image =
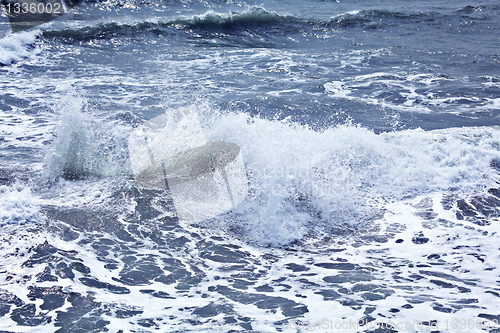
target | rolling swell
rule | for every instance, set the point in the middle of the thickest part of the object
(256, 16)
(258, 20)
(386, 18)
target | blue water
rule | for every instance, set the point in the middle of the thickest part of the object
(369, 135)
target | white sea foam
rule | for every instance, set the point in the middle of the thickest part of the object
(18, 205)
(300, 177)
(14, 47)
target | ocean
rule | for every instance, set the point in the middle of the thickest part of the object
(252, 166)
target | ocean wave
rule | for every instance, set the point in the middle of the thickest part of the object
(303, 182)
(470, 9)
(15, 47)
(255, 19)
(18, 205)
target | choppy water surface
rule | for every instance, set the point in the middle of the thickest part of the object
(370, 139)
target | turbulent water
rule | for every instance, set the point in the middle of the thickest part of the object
(369, 132)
